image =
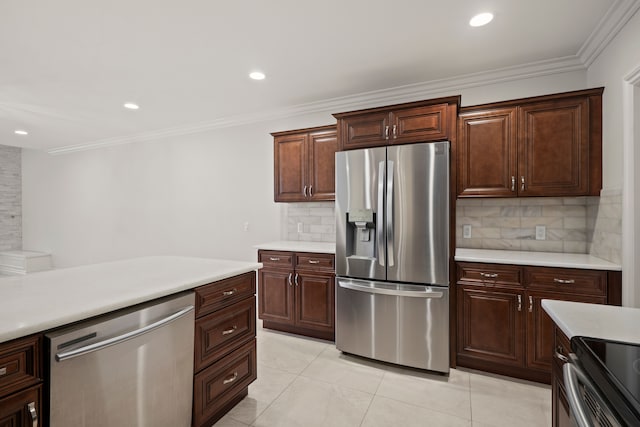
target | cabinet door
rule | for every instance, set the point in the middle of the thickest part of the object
(322, 165)
(315, 301)
(290, 168)
(365, 130)
(22, 409)
(420, 124)
(553, 158)
(490, 325)
(275, 295)
(540, 330)
(487, 156)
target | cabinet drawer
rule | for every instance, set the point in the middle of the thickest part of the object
(19, 364)
(219, 333)
(214, 296)
(490, 274)
(315, 261)
(586, 282)
(217, 385)
(276, 259)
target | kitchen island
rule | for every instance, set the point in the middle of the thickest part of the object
(33, 304)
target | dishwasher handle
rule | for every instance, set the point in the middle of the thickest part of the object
(384, 291)
(124, 337)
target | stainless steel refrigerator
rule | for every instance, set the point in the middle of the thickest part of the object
(392, 254)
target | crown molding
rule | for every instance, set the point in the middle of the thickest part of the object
(406, 93)
(609, 26)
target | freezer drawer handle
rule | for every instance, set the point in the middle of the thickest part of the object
(34, 414)
(230, 331)
(393, 292)
(3, 371)
(121, 338)
(229, 293)
(230, 379)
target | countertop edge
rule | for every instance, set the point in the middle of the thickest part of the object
(298, 246)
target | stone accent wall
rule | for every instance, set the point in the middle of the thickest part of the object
(10, 197)
(510, 223)
(604, 225)
(317, 219)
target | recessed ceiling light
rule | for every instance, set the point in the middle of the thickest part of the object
(481, 19)
(131, 106)
(20, 132)
(257, 75)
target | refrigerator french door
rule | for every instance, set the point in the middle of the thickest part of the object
(392, 254)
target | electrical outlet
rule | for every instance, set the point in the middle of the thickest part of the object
(300, 229)
(246, 226)
(466, 231)
(541, 232)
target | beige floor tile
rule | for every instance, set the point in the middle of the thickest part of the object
(337, 368)
(385, 412)
(439, 393)
(497, 401)
(269, 385)
(311, 403)
(227, 421)
(288, 353)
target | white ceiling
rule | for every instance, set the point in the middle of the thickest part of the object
(67, 66)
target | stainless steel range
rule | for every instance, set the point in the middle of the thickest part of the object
(392, 254)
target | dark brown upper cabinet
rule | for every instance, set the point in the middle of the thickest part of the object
(304, 164)
(422, 121)
(543, 146)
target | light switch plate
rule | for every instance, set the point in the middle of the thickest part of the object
(541, 232)
(466, 231)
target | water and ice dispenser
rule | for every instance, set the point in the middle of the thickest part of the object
(361, 244)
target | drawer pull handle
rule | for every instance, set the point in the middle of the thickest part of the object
(489, 275)
(296, 280)
(3, 371)
(231, 379)
(530, 304)
(274, 258)
(34, 414)
(558, 354)
(519, 302)
(513, 183)
(230, 331)
(229, 293)
(289, 279)
(564, 281)
(313, 261)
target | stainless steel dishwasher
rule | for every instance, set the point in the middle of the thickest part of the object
(132, 368)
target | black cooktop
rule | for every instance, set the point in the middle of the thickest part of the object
(614, 367)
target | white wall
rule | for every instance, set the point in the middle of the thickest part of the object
(183, 195)
(619, 59)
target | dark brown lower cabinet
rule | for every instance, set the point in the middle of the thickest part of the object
(502, 327)
(296, 293)
(22, 409)
(225, 346)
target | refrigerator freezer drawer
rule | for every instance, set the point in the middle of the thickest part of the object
(392, 322)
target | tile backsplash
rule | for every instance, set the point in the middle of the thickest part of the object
(10, 198)
(604, 225)
(317, 220)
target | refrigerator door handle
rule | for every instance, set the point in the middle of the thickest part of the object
(427, 293)
(390, 237)
(380, 217)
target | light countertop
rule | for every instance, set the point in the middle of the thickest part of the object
(544, 259)
(40, 301)
(298, 246)
(595, 320)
